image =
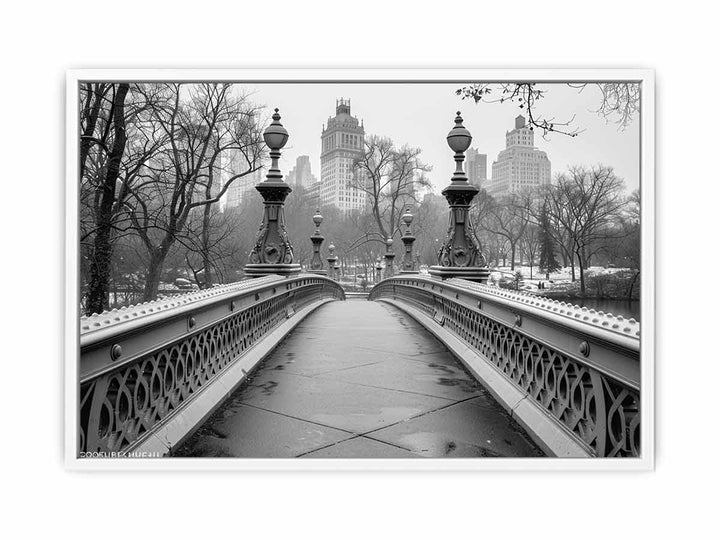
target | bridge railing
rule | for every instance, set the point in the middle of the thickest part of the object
(139, 366)
(578, 366)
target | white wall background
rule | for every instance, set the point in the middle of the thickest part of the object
(40, 40)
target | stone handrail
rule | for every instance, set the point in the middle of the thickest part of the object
(578, 366)
(139, 366)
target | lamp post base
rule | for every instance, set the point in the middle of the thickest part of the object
(479, 274)
(258, 270)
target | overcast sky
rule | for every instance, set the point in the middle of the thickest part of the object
(421, 114)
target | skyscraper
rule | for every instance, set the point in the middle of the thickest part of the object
(342, 143)
(241, 186)
(313, 192)
(301, 174)
(476, 167)
(520, 165)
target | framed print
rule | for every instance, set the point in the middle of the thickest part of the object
(360, 269)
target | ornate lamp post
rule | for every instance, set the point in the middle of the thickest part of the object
(408, 265)
(273, 253)
(316, 263)
(332, 260)
(389, 257)
(460, 254)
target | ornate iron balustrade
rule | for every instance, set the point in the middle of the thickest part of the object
(141, 365)
(579, 366)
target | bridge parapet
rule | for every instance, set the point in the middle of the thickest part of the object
(578, 367)
(141, 366)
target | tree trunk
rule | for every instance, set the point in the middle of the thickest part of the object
(632, 285)
(98, 289)
(207, 272)
(95, 96)
(582, 273)
(512, 256)
(152, 280)
(568, 255)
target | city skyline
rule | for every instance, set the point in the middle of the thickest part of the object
(394, 110)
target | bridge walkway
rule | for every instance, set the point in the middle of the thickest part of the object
(359, 379)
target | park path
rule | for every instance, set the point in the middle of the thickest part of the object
(359, 379)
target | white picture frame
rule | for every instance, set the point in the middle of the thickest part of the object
(647, 186)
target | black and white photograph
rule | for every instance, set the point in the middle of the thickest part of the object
(362, 270)
(331, 267)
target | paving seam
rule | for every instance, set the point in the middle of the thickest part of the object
(364, 433)
(417, 416)
(391, 444)
(328, 446)
(298, 418)
(320, 378)
(359, 437)
(288, 372)
(345, 369)
(388, 389)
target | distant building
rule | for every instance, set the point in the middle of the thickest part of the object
(301, 174)
(434, 198)
(290, 177)
(305, 176)
(520, 165)
(419, 192)
(476, 167)
(342, 143)
(240, 187)
(313, 192)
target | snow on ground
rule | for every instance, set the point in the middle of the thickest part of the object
(558, 280)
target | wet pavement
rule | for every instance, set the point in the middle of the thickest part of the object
(359, 379)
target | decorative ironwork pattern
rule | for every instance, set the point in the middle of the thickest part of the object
(600, 411)
(121, 406)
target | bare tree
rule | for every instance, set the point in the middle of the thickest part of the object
(111, 145)
(547, 243)
(430, 228)
(623, 246)
(203, 124)
(115, 144)
(619, 101)
(391, 179)
(530, 245)
(508, 218)
(209, 244)
(587, 202)
(299, 210)
(480, 210)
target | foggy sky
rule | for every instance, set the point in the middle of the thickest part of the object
(421, 114)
